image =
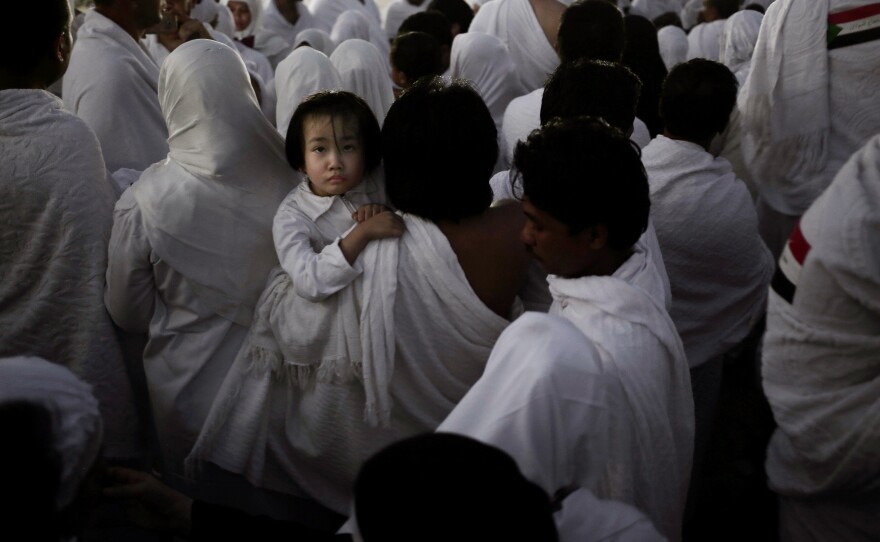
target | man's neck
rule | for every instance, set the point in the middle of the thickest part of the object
(703, 143)
(123, 18)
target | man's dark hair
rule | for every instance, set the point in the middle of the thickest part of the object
(725, 8)
(39, 23)
(416, 55)
(591, 29)
(755, 7)
(457, 11)
(592, 88)
(697, 99)
(336, 104)
(667, 19)
(439, 146)
(583, 173)
(430, 22)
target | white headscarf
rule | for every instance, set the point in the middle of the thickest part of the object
(76, 421)
(673, 45)
(738, 39)
(362, 71)
(351, 25)
(256, 8)
(316, 39)
(690, 14)
(208, 208)
(274, 21)
(304, 72)
(485, 61)
(651, 9)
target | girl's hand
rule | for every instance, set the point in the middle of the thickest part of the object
(368, 210)
(383, 225)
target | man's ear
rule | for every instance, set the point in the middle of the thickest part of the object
(598, 236)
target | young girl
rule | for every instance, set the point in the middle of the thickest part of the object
(322, 226)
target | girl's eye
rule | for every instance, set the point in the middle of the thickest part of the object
(318, 149)
(349, 147)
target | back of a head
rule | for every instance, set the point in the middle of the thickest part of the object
(724, 8)
(430, 22)
(443, 487)
(416, 55)
(40, 24)
(583, 172)
(697, 99)
(642, 47)
(591, 29)
(457, 11)
(439, 147)
(592, 88)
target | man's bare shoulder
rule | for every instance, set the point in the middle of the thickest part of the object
(549, 14)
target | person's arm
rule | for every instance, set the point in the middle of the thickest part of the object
(374, 222)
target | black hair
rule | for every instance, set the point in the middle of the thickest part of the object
(430, 22)
(592, 88)
(591, 29)
(40, 23)
(583, 172)
(334, 103)
(725, 8)
(642, 56)
(442, 487)
(755, 7)
(457, 11)
(697, 99)
(439, 145)
(416, 55)
(667, 19)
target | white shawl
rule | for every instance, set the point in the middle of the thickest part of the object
(355, 24)
(316, 39)
(313, 441)
(704, 40)
(584, 518)
(304, 72)
(651, 9)
(267, 42)
(396, 12)
(274, 21)
(514, 22)
(653, 421)
(738, 38)
(485, 61)
(821, 358)
(110, 73)
(361, 69)
(700, 208)
(214, 198)
(327, 11)
(673, 45)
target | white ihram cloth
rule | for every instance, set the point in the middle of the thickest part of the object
(304, 72)
(316, 439)
(112, 84)
(327, 11)
(651, 9)
(76, 422)
(794, 155)
(552, 418)
(738, 38)
(514, 22)
(652, 428)
(704, 40)
(57, 208)
(396, 12)
(266, 42)
(355, 24)
(362, 71)
(821, 362)
(690, 14)
(673, 45)
(485, 61)
(316, 39)
(274, 21)
(192, 243)
(701, 209)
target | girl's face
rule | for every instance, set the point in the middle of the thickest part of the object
(333, 154)
(241, 14)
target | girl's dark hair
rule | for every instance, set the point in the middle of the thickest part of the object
(334, 103)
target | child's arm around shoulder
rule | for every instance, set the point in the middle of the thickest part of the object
(374, 222)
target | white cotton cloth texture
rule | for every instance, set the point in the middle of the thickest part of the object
(304, 72)
(585, 518)
(396, 12)
(313, 441)
(701, 209)
(267, 42)
(821, 361)
(274, 21)
(738, 38)
(673, 45)
(485, 61)
(327, 11)
(355, 24)
(652, 421)
(514, 22)
(362, 71)
(651, 9)
(794, 155)
(192, 244)
(76, 421)
(704, 40)
(316, 39)
(690, 14)
(57, 208)
(110, 73)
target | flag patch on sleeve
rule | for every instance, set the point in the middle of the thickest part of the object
(788, 272)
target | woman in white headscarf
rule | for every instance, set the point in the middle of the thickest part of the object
(316, 39)
(362, 71)
(485, 61)
(355, 24)
(287, 18)
(673, 45)
(192, 239)
(248, 15)
(738, 39)
(304, 72)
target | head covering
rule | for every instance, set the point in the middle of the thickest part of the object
(208, 209)
(304, 72)
(485, 61)
(362, 71)
(76, 421)
(256, 8)
(690, 14)
(738, 39)
(274, 21)
(651, 9)
(673, 45)
(316, 39)
(351, 24)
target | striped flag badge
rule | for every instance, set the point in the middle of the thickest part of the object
(853, 26)
(788, 272)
